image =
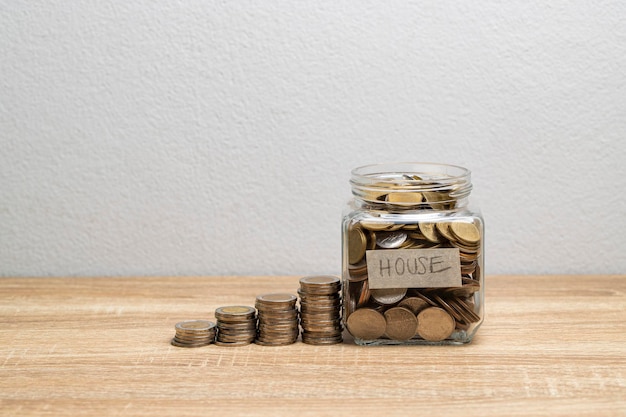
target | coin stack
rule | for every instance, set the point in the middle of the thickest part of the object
(320, 310)
(194, 333)
(236, 325)
(278, 319)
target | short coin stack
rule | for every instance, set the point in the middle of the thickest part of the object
(194, 333)
(320, 310)
(236, 325)
(278, 319)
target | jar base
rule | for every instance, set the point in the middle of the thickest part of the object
(456, 339)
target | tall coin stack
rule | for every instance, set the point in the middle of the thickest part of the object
(320, 310)
(278, 319)
(236, 325)
(194, 333)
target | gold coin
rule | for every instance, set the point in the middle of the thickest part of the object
(235, 312)
(444, 230)
(467, 233)
(366, 324)
(434, 324)
(376, 226)
(320, 280)
(401, 323)
(415, 304)
(429, 232)
(436, 200)
(357, 244)
(405, 197)
(195, 326)
(276, 300)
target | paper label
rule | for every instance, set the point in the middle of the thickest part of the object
(414, 268)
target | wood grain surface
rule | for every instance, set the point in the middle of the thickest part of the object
(550, 345)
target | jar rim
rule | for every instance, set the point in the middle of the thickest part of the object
(437, 171)
(435, 182)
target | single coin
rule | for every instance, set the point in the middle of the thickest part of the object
(276, 300)
(366, 324)
(429, 232)
(244, 312)
(371, 240)
(388, 296)
(364, 294)
(357, 244)
(415, 304)
(376, 226)
(391, 240)
(466, 232)
(436, 200)
(434, 324)
(195, 325)
(444, 230)
(405, 197)
(401, 323)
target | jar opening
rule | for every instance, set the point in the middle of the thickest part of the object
(412, 185)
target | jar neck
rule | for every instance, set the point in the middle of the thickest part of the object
(411, 186)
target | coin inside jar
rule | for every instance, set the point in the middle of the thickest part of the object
(366, 324)
(391, 240)
(429, 232)
(466, 232)
(405, 197)
(387, 295)
(401, 323)
(357, 244)
(434, 324)
(415, 304)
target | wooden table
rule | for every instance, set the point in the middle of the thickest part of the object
(550, 345)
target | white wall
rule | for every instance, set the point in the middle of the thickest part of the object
(209, 137)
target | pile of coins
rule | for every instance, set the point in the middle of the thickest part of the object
(236, 325)
(278, 319)
(320, 310)
(194, 333)
(439, 312)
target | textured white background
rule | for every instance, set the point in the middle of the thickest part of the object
(212, 137)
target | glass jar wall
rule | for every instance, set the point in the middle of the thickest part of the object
(412, 256)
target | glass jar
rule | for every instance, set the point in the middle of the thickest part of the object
(412, 256)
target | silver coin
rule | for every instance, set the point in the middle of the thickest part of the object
(388, 296)
(391, 240)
